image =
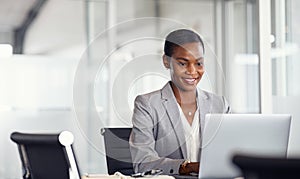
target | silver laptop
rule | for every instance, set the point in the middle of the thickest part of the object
(252, 134)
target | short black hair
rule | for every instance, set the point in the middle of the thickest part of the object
(179, 37)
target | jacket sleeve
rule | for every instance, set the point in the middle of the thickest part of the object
(142, 141)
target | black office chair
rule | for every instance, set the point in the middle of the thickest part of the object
(118, 154)
(46, 156)
(268, 168)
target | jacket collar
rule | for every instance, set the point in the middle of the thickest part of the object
(170, 104)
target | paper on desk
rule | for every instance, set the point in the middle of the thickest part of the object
(100, 176)
(119, 175)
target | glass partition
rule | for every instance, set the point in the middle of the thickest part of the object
(285, 65)
(229, 29)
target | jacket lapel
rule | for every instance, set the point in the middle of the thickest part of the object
(204, 105)
(171, 107)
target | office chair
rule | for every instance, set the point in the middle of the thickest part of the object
(118, 154)
(46, 156)
(267, 168)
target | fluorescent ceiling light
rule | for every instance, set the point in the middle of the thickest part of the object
(6, 51)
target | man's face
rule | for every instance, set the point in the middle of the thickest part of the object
(186, 66)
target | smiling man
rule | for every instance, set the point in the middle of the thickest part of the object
(167, 123)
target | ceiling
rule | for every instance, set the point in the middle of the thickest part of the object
(13, 13)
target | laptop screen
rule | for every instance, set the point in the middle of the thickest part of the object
(252, 134)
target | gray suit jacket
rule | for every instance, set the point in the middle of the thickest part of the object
(157, 139)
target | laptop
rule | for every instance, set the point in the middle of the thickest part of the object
(251, 134)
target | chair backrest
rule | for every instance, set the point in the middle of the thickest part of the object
(118, 154)
(46, 156)
(267, 168)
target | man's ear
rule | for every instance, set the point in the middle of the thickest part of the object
(166, 61)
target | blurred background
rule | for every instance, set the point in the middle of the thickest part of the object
(77, 65)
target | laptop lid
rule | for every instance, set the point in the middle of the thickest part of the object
(252, 134)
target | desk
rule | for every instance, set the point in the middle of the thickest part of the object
(121, 176)
(196, 177)
(105, 176)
